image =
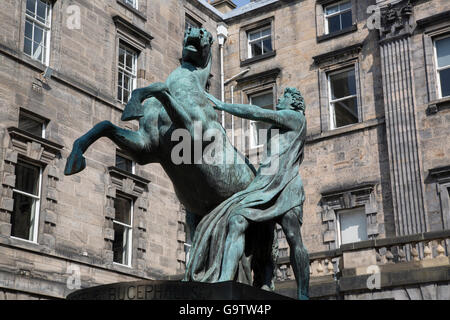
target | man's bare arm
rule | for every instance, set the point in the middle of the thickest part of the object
(286, 118)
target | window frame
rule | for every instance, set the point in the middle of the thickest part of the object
(37, 119)
(190, 22)
(253, 122)
(326, 17)
(129, 250)
(128, 48)
(331, 102)
(262, 38)
(339, 214)
(37, 209)
(133, 163)
(443, 188)
(46, 31)
(437, 68)
(134, 4)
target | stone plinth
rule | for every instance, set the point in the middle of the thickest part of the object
(174, 290)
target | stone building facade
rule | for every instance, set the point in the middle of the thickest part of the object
(376, 170)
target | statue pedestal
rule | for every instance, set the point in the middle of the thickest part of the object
(174, 290)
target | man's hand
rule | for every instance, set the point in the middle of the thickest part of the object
(217, 103)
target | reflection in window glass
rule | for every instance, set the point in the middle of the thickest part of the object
(343, 99)
(26, 195)
(260, 42)
(37, 30)
(353, 225)
(257, 128)
(31, 125)
(338, 17)
(127, 73)
(443, 66)
(122, 225)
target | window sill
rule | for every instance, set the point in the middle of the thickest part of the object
(438, 105)
(336, 34)
(258, 58)
(132, 9)
(345, 130)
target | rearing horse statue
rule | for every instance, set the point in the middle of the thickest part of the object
(200, 187)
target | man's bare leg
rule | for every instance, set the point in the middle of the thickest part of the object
(234, 247)
(299, 256)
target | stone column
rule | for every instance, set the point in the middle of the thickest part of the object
(397, 25)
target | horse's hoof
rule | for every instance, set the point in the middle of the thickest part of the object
(133, 110)
(75, 163)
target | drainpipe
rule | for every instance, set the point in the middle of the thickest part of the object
(222, 34)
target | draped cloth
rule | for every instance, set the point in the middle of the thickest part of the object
(268, 197)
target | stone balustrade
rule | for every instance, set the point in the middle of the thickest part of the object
(419, 248)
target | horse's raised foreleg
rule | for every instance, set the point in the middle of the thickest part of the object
(134, 142)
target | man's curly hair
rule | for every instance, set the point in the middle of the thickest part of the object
(299, 101)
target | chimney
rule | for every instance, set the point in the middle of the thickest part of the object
(223, 6)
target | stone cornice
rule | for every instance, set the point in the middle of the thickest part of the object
(127, 182)
(272, 73)
(434, 19)
(132, 9)
(33, 147)
(440, 173)
(127, 26)
(346, 51)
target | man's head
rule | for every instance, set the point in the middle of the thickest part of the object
(197, 46)
(292, 99)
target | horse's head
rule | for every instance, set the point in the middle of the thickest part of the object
(197, 46)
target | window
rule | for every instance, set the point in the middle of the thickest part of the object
(133, 3)
(32, 125)
(442, 48)
(27, 194)
(338, 17)
(352, 226)
(37, 30)
(190, 23)
(343, 99)
(123, 230)
(126, 164)
(260, 42)
(127, 73)
(258, 137)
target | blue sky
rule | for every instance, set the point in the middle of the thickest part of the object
(240, 3)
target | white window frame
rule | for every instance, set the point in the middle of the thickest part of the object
(253, 122)
(129, 248)
(131, 74)
(261, 39)
(47, 31)
(338, 224)
(326, 17)
(132, 3)
(332, 102)
(439, 69)
(34, 225)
